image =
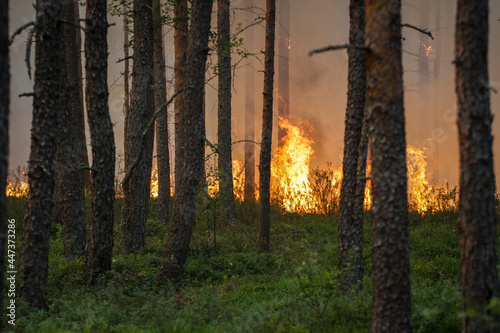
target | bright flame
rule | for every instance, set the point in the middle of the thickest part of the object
(19, 189)
(153, 193)
(418, 186)
(428, 49)
(290, 170)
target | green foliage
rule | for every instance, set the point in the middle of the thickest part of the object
(232, 288)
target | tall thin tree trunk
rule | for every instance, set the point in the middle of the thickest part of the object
(34, 257)
(160, 96)
(249, 113)
(423, 72)
(69, 177)
(228, 209)
(436, 90)
(267, 131)
(390, 248)
(126, 73)
(477, 221)
(350, 236)
(190, 130)
(4, 131)
(283, 65)
(100, 244)
(181, 30)
(137, 187)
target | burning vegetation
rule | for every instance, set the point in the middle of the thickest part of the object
(298, 188)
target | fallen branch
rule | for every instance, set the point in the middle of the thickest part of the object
(424, 31)
(338, 47)
(148, 128)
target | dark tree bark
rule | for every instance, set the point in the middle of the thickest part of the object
(100, 243)
(34, 257)
(126, 73)
(228, 209)
(477, 221)
(267, 131)
(190, 129)
(136, 189)
(4, 132)
(390, 249)
(249, 113)
(350, 235)
(283, 65)
(69, 177)
(436, 110)
(160, 97)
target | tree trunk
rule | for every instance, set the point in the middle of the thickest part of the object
(477, 221)
(160, 97)
(423, 72)
(190, 129)
(69, 177)
(390, 249)
(100, 243)
(181, 30)
(34, 257)
(249, 113)
(350, 236)
(228, 209)
(4, 134)
(283, 65)
(436, 91)
(267, 131)
(136, 189)
(126, 73)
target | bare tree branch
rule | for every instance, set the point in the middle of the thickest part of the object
(338, 47)
(424, 31)
(19, 30)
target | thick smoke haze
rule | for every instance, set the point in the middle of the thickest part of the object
(318, 84)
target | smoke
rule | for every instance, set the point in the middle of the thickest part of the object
(317, 84)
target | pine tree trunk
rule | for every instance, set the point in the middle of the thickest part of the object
(249, 113)
(228, 209)
(436, 109)
(390, 249)
(34, 257)
(4, 132)
(267, 131)
(423, 72)
(350, 236)
(126, 72)
(69, 179)
(100, 244)
(190, 129)
(160, 97)
(136, 189)
(283, 65)
(477, 221)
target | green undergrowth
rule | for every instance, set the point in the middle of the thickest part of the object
(229, 287)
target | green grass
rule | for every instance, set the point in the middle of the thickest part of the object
(232, 288)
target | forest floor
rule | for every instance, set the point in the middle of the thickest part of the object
(231, 288)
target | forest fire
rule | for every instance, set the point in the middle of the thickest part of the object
(18, 189)
(427, 49)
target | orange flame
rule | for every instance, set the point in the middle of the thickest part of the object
(427, 49)
(18, 189)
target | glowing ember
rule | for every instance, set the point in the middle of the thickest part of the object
(428, 49)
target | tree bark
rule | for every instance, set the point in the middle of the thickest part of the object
(136, 189)
(228, 210)
(267, 131)
(436, 110)
(390, 249)
(4, 132)
(100, 243)
(249, 113)
(283, 65)
(190, 129)
(477, 220)
(34, 257)
(350, 235)
(160, 97)
(423, 73)
(126, 73)
(69, 177)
